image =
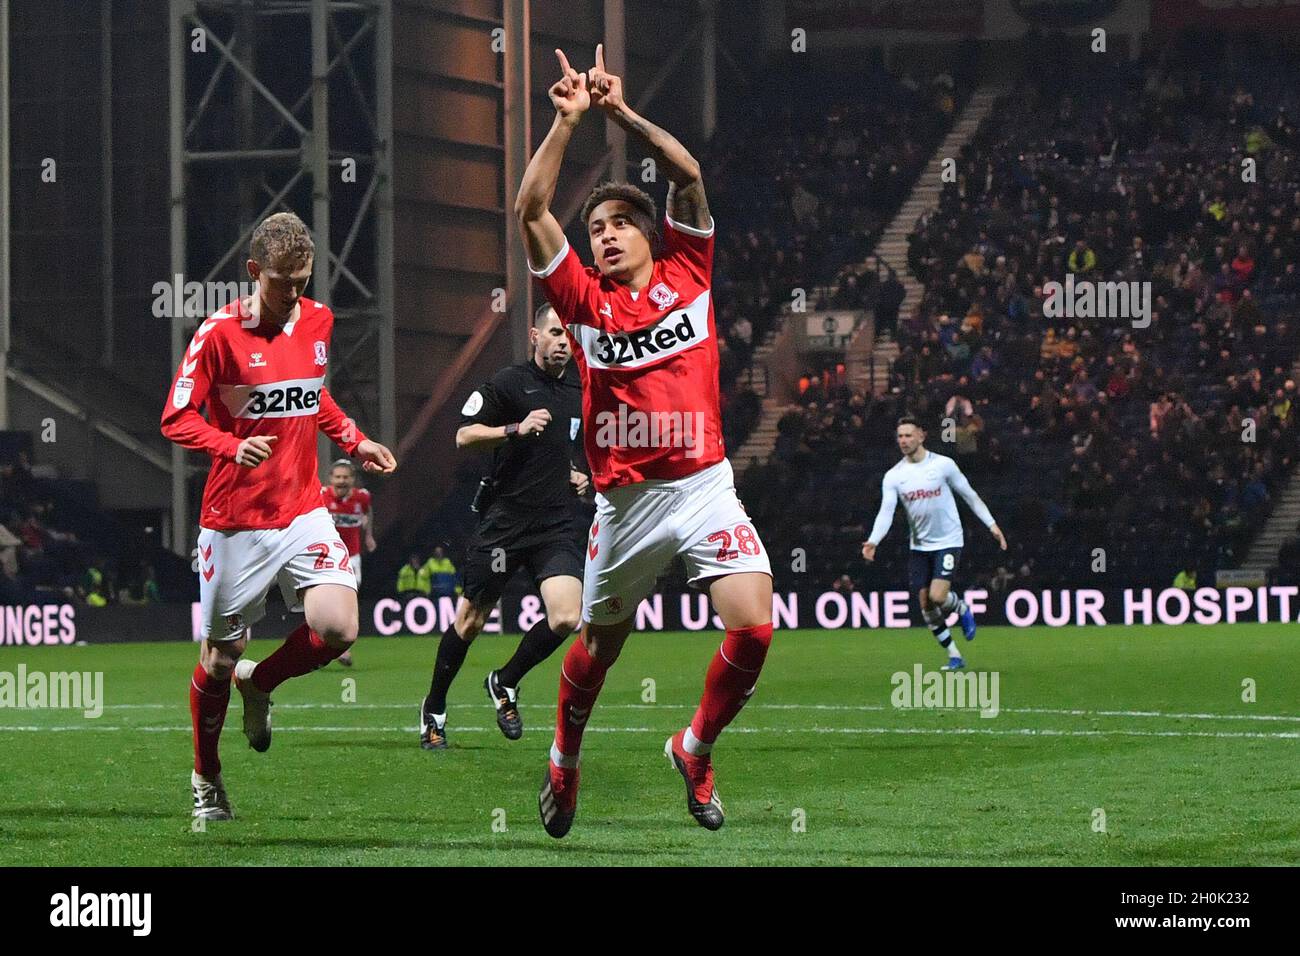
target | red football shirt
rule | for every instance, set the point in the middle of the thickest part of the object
(258, 380)
(349, 514)
(649, 362)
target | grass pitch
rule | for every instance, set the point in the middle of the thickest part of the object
(1144, 725)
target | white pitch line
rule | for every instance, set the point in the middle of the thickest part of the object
(939, 731)
(852, 708)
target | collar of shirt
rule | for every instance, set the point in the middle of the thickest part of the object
(254, 309)
(541, 375)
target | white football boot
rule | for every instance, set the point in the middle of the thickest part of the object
(210, 800)
(257, 707)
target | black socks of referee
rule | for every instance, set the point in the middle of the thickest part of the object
(451, 654)
(538, 644)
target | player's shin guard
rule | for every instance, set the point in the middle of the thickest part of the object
(730, 682)
(209, 698)
(302, 652)
(952, 604)
(936, 620)
(581, 677)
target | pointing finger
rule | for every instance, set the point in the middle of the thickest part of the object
(564, 62)
(600, 57)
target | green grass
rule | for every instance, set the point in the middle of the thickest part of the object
(1198, 777)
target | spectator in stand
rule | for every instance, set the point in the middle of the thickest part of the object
(442, 574)
(1243, 266)
(888, 302)
(1082, 260)
(413, 580)
(1002, 580)
(9, 545)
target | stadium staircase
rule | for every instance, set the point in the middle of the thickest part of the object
(868, 359)
(762, 438)
(870, 355)
(1282, 523)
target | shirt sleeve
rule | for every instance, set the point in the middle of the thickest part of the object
(569, 288)
(336, 426)
(182, 421)
(958, 483)
(485, 406)
(885, 516)
(690, 248)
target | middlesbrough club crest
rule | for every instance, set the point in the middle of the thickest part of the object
(322, 355)
(662, 296)
(614, 605)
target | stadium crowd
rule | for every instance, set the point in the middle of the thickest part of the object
(801, 192)
(1160, 445)
(45, 558)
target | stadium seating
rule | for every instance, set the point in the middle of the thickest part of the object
(1084, 433)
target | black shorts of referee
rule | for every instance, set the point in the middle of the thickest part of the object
(544, 541)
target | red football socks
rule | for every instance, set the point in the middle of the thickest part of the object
(302, 652)
(581, 678)
(209, 699)
(730, 680)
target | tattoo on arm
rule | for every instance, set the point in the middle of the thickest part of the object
(686, 201)
(688, 205)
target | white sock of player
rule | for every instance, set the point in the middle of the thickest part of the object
(694, 745)
(935, 619)
(562, 759)
(952, 604)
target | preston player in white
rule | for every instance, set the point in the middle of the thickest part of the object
(925, 483)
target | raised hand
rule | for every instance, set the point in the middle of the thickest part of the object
(606, 89)
(569, 95)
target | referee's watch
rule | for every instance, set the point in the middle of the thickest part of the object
(512, 430)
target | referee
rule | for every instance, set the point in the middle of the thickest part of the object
(529, 516)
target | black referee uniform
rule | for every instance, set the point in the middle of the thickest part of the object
(530, 516)
(534, 515)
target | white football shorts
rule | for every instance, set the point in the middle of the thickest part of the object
(638, 530)
(237, 569)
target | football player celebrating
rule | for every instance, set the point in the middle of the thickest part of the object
(350, 508)
(646, 347)
(925, 483)
(259, 366)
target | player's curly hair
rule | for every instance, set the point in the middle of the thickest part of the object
(280, 237)
(644, 214)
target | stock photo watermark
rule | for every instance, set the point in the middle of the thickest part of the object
(920, 689)
(53, 690)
